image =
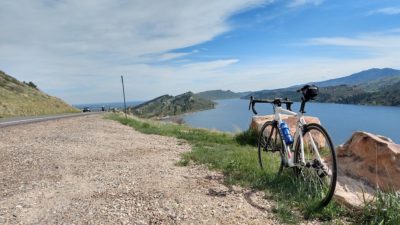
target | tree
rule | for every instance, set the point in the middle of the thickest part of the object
(31, 84)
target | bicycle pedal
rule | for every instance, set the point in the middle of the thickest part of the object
(322, 173)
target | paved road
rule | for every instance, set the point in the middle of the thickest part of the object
(34, 119)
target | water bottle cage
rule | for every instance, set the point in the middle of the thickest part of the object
(285, 132)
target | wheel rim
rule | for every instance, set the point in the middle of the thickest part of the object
(269, 149)
(318, 176)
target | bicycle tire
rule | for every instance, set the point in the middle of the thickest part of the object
(273, 161)
(319, 177)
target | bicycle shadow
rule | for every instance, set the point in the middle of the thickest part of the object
(248, 195)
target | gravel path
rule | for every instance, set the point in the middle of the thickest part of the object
(88, 170)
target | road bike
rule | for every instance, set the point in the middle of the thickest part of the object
(309, 152)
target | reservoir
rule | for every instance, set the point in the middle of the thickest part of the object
(340, 120)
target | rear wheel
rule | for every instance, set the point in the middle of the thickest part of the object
(318, 173)
(270, 148)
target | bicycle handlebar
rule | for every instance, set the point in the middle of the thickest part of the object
(276, 101)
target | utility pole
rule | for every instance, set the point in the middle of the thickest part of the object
(123, 91)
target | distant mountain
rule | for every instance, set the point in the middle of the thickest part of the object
(167, 105)
(370, 87)
(388, 94)
(372, 76)
(25, 99)
(218, 94)
(361, 77)
(375, 85)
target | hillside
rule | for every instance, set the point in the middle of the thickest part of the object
(370, 87)
(218, 94)
(374, 77)
(167, 105)
(361, 77)
(20, 99)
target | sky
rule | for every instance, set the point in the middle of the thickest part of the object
(77, 50)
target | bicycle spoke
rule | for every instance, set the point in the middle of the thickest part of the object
(269, 149)
(319, 171)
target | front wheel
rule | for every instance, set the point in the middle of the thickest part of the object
(318, 170)
(270, 148)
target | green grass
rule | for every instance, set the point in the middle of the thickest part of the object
(232, 155)
(385, 209)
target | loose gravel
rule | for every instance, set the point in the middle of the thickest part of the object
(89, 170)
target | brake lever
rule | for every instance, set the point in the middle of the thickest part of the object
(251, 101)
(252, 108)
(251, 105)
(289, 106)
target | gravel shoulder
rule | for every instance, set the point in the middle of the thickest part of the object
(91, 170)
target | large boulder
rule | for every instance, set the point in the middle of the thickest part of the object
(367, 162)
(258, 121)
(373, 158)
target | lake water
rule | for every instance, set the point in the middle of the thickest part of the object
(340, 120)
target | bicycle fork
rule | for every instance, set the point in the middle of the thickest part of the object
(288, 156)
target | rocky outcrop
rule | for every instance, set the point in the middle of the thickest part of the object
(373, 158)
(168, 105)
(366, 162)
(258, 121)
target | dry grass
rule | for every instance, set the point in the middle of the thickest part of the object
(19, 99)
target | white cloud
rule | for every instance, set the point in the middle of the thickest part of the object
(339, 41)
(297, 3)
(211, 65)
(386, 11)
(173, 55)
(59, 44)
(383, 43)
(379, 50)
(78, 50)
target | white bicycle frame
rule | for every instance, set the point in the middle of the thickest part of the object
(300, 122)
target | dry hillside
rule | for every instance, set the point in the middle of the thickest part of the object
(20, 99)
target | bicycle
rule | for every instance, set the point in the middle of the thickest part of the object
(310, 153)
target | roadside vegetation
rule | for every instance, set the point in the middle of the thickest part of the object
(236, 157)
(25, 99)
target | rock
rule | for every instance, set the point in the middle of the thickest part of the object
(258, 121)
(366, 162)
(373, 158)
(352, 192)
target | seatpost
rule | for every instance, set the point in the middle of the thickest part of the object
(303, 105)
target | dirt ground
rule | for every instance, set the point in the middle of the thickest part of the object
(89, 170)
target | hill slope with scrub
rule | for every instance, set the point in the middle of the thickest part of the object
(168, 105)
(25, 99)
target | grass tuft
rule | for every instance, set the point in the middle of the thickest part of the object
(384, 210)
(248, 137)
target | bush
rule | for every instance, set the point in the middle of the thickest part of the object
(248, 137)
(32, 85)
